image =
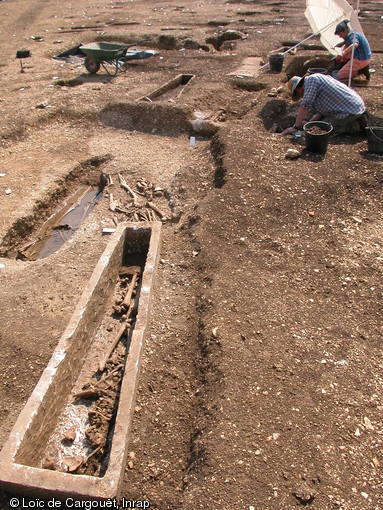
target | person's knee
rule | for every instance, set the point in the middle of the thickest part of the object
(343, 73)
(340, 129)
(335, 74)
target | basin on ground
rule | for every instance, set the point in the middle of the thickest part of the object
(22, 457)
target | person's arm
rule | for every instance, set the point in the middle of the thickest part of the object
(302, 114)
(351, 41)
(299, 121)
(347, 51)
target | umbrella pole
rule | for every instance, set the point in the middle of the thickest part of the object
(353, 48)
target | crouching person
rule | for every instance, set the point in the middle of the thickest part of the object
(327, 99)
(352, 40)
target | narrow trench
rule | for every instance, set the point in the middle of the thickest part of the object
(208, 375)
(218, 151)
(62, 212)
(208, 347)
(171, 90)
(62, 225)
(211, 383)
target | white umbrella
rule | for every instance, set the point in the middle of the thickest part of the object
(324, 15)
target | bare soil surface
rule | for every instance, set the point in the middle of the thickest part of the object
(261, 384)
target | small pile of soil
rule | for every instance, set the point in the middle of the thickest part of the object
(316, 130)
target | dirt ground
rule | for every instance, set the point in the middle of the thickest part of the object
(261, 384)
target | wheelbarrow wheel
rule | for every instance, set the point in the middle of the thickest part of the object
(91, 65)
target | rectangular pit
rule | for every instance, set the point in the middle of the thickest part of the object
(22, 457)
(171, 90)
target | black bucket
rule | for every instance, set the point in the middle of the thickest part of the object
(317, 142)
(316, 70)
(375, 139)
(23, 53)
(276, 62)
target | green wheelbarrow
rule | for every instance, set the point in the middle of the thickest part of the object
(100, 53)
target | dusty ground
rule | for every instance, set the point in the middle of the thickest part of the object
(261, 383)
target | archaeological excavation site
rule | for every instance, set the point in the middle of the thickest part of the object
(190, 299)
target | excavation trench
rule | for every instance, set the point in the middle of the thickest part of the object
(78, 418)
(154, 118)
(57, 216)
(277, 115)
(171, 91)
(62, 225)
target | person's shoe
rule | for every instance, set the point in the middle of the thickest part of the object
(363, 122)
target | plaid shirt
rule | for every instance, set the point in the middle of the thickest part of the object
(363, 51)
(323, 94)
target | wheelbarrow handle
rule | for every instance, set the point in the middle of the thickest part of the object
(138, 42)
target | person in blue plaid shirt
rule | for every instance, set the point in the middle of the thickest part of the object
(362, 52)
(327, 99)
